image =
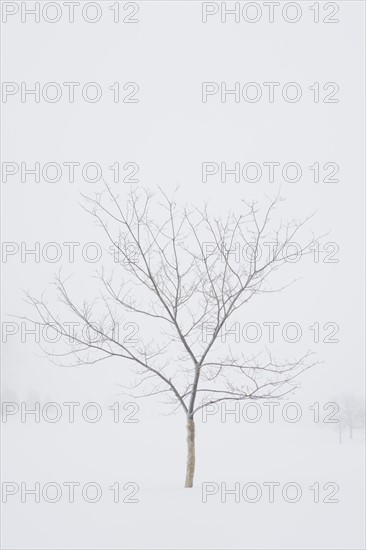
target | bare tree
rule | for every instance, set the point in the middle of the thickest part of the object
(351, 413)
(180, 269)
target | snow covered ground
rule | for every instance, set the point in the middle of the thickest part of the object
(151, 454)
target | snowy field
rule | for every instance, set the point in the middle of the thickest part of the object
(151, 454)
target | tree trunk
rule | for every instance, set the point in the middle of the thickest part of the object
(191, 453)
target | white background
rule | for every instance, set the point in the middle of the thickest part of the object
(169, 134)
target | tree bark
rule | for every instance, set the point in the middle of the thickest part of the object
(191, 453)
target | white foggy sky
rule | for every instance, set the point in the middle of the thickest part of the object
(171, 132)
